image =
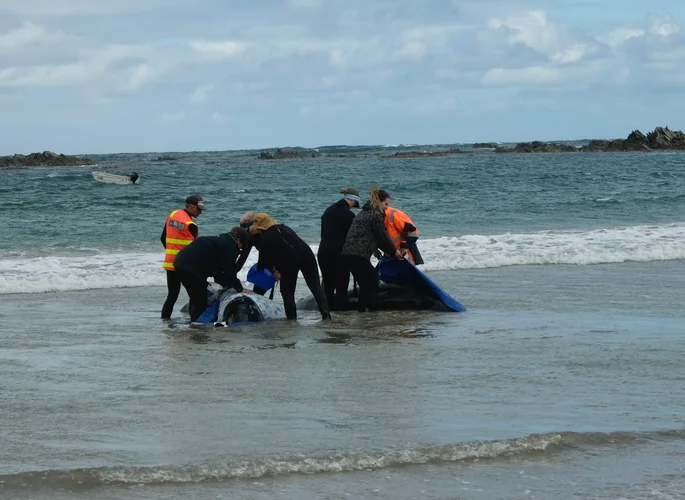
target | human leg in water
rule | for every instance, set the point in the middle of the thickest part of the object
(342, 283)
(288, 283)
(327, 266)
(365, 275)
(196, 286)
(336, 280)
(311, 277)
(173, 284)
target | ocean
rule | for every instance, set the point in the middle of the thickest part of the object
(563, 379)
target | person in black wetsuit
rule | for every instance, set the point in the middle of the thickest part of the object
(335, 223)
(210, 256)
(285, 254)
(245, 222)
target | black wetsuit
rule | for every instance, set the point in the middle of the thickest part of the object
(173, 282)
(253, 243)
(282, 249)
(207, 256)
(335, 223)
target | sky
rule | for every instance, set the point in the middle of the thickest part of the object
(110, 76)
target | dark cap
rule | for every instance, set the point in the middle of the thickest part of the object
(196, 199)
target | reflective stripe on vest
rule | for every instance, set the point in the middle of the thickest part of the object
(178, 236)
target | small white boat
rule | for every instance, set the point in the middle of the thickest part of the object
(108, 178)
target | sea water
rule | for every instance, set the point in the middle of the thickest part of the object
(563, 380)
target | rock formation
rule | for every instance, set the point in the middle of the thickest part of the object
(287, 154)
(660, 139)
(417, 154)
(44, 159)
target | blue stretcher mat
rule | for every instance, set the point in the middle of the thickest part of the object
(404, 273)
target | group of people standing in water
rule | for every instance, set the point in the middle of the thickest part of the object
(347, 244)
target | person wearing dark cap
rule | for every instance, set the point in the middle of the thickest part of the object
(335, 223)
(285, 254)
(179, 231)
(210, 256)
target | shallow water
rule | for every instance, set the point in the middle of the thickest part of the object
(559, 382)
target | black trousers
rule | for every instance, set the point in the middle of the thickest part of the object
(310, 272)
(336, 279)
(367, 278)
(173, 284)
(196, 286)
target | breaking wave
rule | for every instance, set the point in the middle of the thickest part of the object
(91, 268)
(223, 470)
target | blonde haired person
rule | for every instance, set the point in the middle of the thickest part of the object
(285, 254)
(366, 236)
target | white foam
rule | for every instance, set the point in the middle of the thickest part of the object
(98, 269)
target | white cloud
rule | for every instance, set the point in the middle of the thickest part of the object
(218, 117)
(536, 31)
(81, 7)
(90, 66)
(219, 49)
(572, 54)
(173, 116)
(309, 5)
(327, 58)
(532, 75)
(202, 93)
(140, 75)
(30, 35)
(619, 36)
(47, 75)
(663, 26)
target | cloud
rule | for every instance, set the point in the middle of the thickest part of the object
(354, 67)
(221, 49)
(307, 5)
(218, 117)
(619, 36)
(80, 7)
(202, 93)
(534, 30)
(90, 65)
(139, 75)
(30, 35)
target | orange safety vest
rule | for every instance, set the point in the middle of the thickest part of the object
(394, 223)
(178, 236)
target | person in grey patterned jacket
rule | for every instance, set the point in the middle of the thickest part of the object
(366, 236)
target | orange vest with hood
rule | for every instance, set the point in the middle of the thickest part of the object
(178, 236)
(394, 223)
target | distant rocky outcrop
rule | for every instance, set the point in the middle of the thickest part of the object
(287, 154)
(44, 159)
(660, 139)
(538, 147)
(419, 154)
(166, 158)
(484, 145)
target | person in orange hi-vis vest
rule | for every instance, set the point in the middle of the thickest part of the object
(402, 231)
(179, 230)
